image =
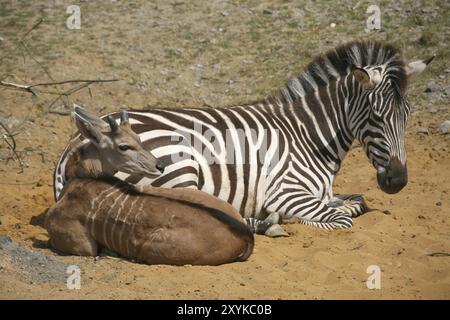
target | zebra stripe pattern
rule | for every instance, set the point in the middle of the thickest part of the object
(355, 91)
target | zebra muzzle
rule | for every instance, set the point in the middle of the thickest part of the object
(393, 177)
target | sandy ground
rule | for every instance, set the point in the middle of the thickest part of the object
(183, 54)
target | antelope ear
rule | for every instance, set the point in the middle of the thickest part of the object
(367, 78)
(89, 117)
(417, 67)
(91, 132)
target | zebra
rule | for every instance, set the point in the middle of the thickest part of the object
(356, 91)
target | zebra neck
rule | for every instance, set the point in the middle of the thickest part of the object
(322, 120)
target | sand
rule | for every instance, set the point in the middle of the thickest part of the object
(177, 55)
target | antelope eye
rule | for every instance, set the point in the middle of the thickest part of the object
(124, 147)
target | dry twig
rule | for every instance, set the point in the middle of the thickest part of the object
(11, 144)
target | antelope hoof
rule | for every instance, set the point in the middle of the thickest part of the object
(276, 231)
(105, 252)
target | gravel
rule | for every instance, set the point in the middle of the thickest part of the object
(40, 268)
(444, 127)
(432, 86)
(422, 130)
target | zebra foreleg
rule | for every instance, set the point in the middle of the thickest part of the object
(351, 205)
(302, 207)
(268, 227)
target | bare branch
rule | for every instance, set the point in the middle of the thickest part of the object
(28, 50)
(17, 86)
(73, 81)
(22, 38)
(33, 27)
(11, 144)
(28, 88)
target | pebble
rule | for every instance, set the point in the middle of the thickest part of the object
(444, 127)
(433, 109)
(422, 130)
(432, 86)
(447, 91)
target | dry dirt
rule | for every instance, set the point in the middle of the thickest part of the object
(191, 54)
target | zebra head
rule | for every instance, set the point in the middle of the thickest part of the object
(118, 149)
(381, 121)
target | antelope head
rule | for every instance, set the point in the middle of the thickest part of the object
(115, 146)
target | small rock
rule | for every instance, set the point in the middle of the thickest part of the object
(224, 13)
(422, 130)
(439, 203)
(447, 91)
(387, 212)
(267, 11)
(17, 226)
(421, 217)
(432, 86)
(444, 127)
(333, 25)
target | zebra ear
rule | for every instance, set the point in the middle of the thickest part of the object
(367, 78)
(416, 67)
(91, 132)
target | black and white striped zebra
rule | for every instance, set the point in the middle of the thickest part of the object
(355, 91)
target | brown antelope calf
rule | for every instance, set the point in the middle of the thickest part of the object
(145, 224)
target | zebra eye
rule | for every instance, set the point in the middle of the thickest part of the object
(124, 147)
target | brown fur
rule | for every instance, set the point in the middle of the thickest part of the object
(174, 226)
(145, 224)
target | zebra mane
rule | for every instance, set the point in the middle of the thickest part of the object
(339, 61)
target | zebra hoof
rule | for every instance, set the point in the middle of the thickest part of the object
(276, 231)
(273, 218)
